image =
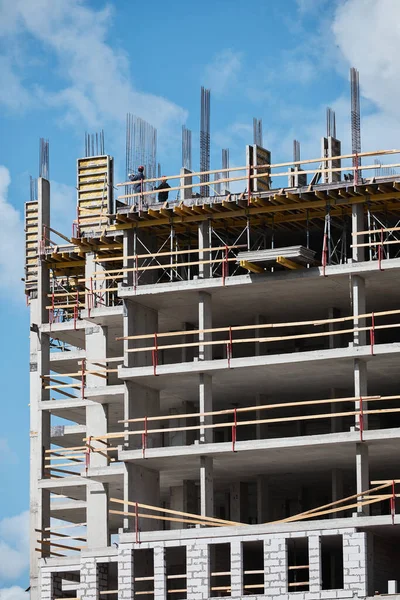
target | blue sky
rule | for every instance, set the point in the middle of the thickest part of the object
(70, 66)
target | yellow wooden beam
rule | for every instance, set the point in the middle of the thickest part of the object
(289, 264)
(251, 266)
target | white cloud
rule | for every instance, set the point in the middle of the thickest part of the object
(377, 63)
(221, 75)
(97, 88)
(11, 239)
(14, 547)
(13, 593)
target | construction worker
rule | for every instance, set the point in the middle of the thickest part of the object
(163, 195)
(139, 177)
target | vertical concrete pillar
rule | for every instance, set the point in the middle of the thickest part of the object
(334, 340)
(138, 320)
(314, 552)
(39, 363)
(337, 407)
(186, 194)
(125, 574)
(263, 499)
(140, 402)
(205, 322)
(140, 485)
(261, 428)
(337, 487)
(362, 474)
(203, 239)
(259, 347)
(205, 406)
(235, 501)
(359, 308)
(358, 224)
(183, 498)
(205, 353)
(96, 424)
(236, 569)
(160, 579)
(128, 263)
(206, 486)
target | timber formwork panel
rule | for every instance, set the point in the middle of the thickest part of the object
(31, 245)
(95, 193)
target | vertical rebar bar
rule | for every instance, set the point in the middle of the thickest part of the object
(355, 115)
(205, 140)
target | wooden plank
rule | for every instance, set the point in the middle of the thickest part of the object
(260, 326)
(174, 512)
(161, 518)
(284, 164)
(230, 411)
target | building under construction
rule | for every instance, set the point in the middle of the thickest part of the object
(215, 394)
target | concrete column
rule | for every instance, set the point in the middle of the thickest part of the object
(275, 567)
(362, 474)
(359, 308)
(337, 407)
(314, 553)
(205, 406)
(259, 347)
(261, 428)
(203, 239)
(39, 363)
(183, 498)
(334, 340)
(140, 485)
(358, 224)
(205, 322)
(197, 570)
(125, 574)
(186, 194)
(337, 487)
(160, 579)
(235, 501)
(263, 499)
(96, 425)
(138, 320)
(181, 438)
(362, 455)
(128, 263)
(206, 487)
(236, 569)
(140, 402)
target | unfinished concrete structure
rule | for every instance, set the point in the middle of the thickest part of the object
(191, 409)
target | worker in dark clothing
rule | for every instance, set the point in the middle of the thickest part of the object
(139, 177)
(162, 190)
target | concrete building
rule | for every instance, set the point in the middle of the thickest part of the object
(198, 414)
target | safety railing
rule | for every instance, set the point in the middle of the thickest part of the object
(358, 411)
(254, 172)
(379, 242)
(229, 341)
